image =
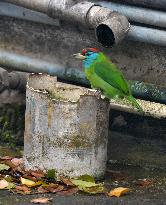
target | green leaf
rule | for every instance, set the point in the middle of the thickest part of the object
(10, 186)
(51, 174)
(81, 183)
(87, 178)
(87, 184)
(94, 190)
(4, 167)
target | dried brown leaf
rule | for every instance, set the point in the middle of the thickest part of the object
(38, 174)
(23, 188)
(53, 188)
(117, 176)
(66, 181)
(118, 191)
(5, 158)
(144, 182)
(42, 190)
(69, 192)
(17, 161)
(41, 200)
(3, 184)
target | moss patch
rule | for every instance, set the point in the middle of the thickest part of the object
(12, 124)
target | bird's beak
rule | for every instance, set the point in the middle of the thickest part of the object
(79, 56)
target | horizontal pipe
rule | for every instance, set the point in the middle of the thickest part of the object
(110, 27)
(11, 10)
(147, 35)
(136, 33)
(138, 14)
(17, 62)
(156, 4)
(39, 5)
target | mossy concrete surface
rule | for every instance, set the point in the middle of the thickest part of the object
(66, 130)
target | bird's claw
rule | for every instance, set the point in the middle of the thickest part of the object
(98, 92)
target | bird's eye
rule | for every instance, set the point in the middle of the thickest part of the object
(87, 54)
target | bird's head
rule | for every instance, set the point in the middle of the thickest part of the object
(87, 53)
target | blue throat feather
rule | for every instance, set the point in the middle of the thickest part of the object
(90, 58)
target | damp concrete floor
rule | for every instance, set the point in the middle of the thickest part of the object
(116, 176)
(148, 187)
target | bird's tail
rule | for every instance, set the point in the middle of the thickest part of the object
(134, 102)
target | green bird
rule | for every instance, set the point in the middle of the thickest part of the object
(105, 75)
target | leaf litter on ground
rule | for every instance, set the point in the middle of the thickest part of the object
(14, 177)
(41, 200)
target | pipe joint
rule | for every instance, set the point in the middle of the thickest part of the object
(70, 11)
(110, 27)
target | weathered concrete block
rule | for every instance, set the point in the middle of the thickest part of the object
(66, 128)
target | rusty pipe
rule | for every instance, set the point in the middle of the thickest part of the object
(110, 26)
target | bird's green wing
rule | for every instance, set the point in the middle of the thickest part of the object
(110, 74)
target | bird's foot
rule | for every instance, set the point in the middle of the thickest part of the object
(98, 92)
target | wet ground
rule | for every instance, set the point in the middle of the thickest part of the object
(148, 186)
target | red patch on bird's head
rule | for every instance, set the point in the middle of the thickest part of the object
(85, 50)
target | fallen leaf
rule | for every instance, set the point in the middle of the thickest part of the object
(4, 167)
(27, 182)
(117, 176)
(144, 182)
(69, 192)
(41, 200)
(38, 183)
(87, 178)
(89, 187)
(53, 188)
(17, 161)
(5, 158)
(66, 181)
(94, 189)
(32, 178)
(81, 183)
(9, 163)
(118, 191)
(38, 174)
(3, 184)
(23, 188)
(42, 190)
(10, 186)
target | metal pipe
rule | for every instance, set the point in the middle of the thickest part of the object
(109, 26)
(137, 14)
(37, 5)
(156, 4)
(136, 33)
(148, 91)
(147, 35)
(11, 10)
(17, 62)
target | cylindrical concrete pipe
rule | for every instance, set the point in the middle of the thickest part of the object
(66, 128)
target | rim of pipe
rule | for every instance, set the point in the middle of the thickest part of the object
(110, 27)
